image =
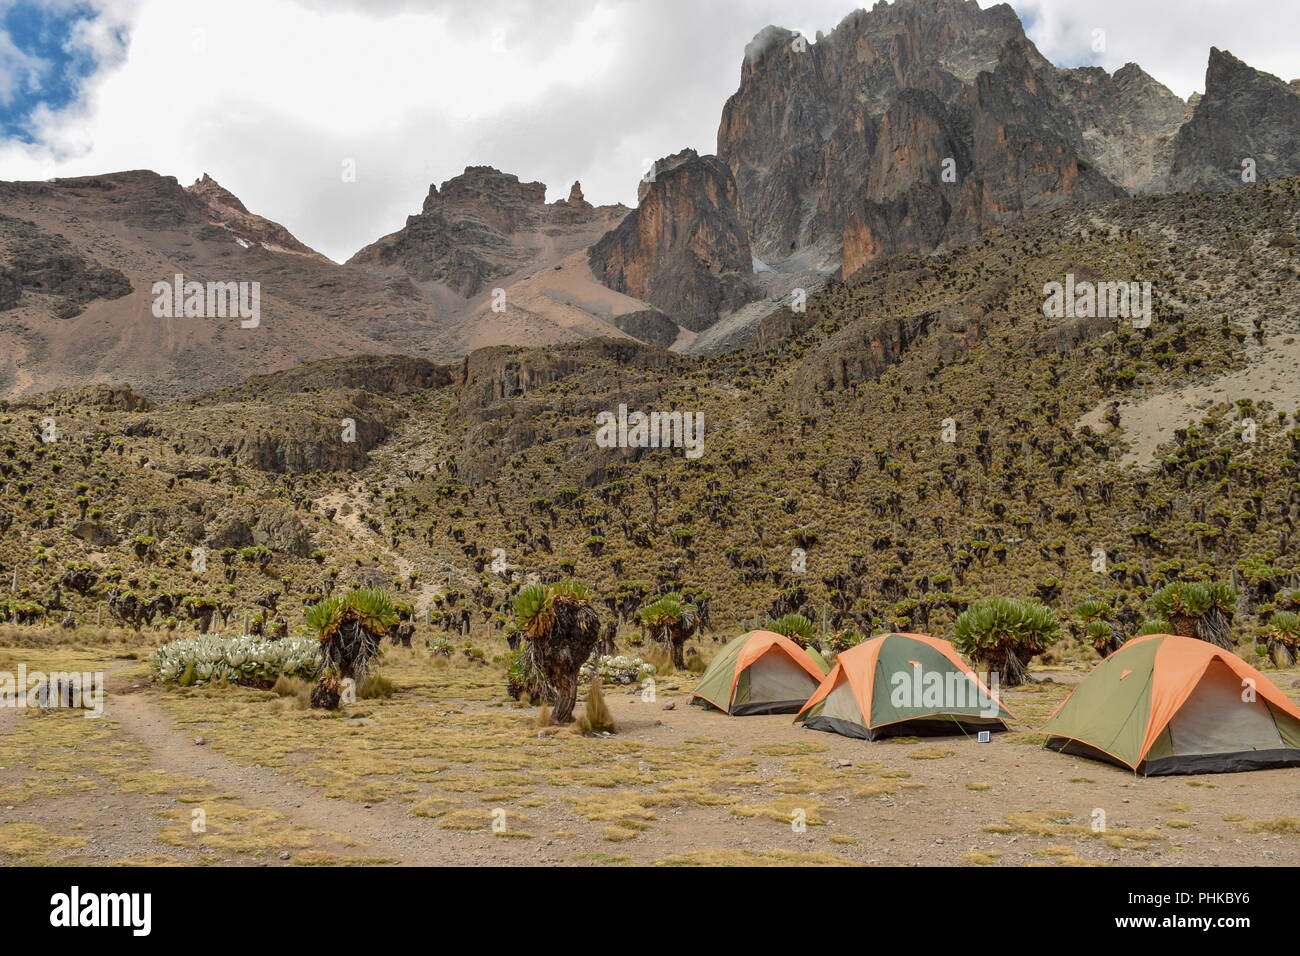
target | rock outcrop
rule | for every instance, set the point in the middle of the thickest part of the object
(909, 126)
(503, 399)
(1245, 114)
(480, 226)
(225, 209)
(1127, 121)
(648, 325)
(683, 249)
(919, 124)
(47, 264)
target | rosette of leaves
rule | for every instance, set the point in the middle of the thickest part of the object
(560, 628)
(235, 660)
(670, 620)
(525, 679)
(1097, 630)
(794, 626)
(1004, 634)
(349, 628)
(1200, 609)
(1281, 637)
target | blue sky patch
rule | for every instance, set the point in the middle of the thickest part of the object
(39, 63)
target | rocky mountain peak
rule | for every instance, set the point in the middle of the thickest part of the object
(482, 225)
(226, 210)
(1244, 115)
(683, 249)
(921, 123)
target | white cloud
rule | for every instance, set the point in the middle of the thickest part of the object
(1170, 39)
(18, 70)
(271, 96)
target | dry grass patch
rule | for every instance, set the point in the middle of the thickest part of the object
(434, 807)
(617, 834)
(753, 858)
(28, 843)
(793, 749)
(250, 831)
(784, 810)
(625, 810)
(1285, 825)
(483, 819)
(322, 858)
(930, 753)
(1058, 823)
(1024, 737)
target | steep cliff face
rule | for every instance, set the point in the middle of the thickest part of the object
(803, 130)
(480, 226)
(919, 124)
(1244, 114)
(1011, 147)
(1127, 120)
(683, 249)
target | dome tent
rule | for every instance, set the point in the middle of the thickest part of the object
(760, 672)
(903, 685)
(1164, 704)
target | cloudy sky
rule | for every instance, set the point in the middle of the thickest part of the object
(273, 97)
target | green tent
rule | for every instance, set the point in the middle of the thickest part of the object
(1164, 704)
(902, 685)
(760, 672)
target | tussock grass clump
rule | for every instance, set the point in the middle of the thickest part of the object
(596, 717)
(1288, 825)
(376, 686)
(661, 659)
(294, 688)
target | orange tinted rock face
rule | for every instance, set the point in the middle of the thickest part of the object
(921, 123)
(683, 249)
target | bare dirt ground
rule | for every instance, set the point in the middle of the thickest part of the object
(444, 772)
(1150, 421)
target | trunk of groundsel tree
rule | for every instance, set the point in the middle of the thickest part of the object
(607, 646)
(325, 695)
(1009, 663)
(671, 638)
(564, 649)
(1284, 655)
(1216, 628)
(349, 649)
(679, 642)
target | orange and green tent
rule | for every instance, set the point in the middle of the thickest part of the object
(902, 685)
(1164, 704)
(760, 672)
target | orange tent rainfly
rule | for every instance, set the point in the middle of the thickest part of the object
(903, 685)
(1164, 704)
(760, 672)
